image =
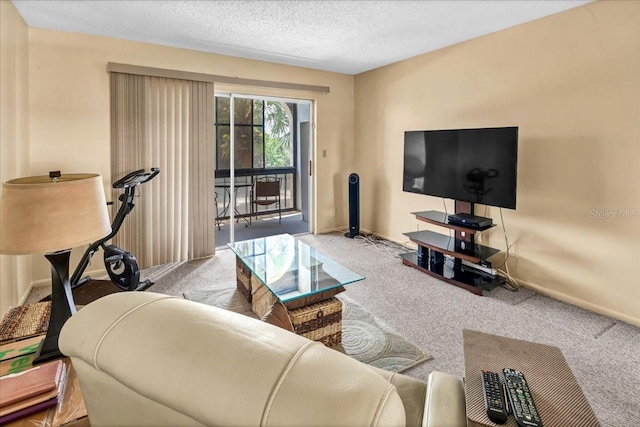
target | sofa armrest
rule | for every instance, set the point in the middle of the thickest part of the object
(445, 402)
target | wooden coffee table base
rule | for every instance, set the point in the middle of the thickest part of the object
(317, 317)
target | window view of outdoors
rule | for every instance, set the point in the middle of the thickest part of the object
(277, 129)
(262, 134)
(265, 149)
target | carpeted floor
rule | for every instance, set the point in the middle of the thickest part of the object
(603, 353)
(364, 337)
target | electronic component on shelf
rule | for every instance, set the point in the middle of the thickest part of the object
(468, 220)
(522, 406)
(494, 399)
(487, 270)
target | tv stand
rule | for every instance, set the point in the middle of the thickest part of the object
(430, 258)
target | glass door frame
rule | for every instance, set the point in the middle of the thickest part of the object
(310, 194)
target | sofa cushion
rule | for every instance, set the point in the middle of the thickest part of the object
(445, 401)
(215, 367)
(412, 392)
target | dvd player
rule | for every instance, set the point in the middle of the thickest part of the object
(468, 220)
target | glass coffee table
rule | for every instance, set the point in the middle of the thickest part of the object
(293, 285)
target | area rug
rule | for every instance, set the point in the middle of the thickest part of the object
(364, 337)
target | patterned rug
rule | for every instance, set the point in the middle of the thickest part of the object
(364, 337)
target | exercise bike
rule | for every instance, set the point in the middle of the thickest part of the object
(121, 265)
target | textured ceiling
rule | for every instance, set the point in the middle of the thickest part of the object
(342, 36)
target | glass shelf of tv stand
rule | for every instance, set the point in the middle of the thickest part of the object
(432, 246)
(442, 219)
(454, 273)
(451, 246)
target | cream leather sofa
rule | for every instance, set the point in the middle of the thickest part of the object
(145, 359)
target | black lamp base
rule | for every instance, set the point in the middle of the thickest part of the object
(47, 350)
(62, 306)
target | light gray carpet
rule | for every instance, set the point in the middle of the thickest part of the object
(364, 337)
(604, 354)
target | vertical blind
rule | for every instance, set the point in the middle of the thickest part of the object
(165, 123)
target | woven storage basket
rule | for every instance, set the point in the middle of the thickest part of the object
(243, 279)
(25, 321)
(321, 321)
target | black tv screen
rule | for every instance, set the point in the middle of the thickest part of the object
(470, 165)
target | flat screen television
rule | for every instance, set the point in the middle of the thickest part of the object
(470, 165)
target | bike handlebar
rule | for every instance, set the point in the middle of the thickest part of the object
(136, 178)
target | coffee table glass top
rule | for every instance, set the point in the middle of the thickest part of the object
(290, 268)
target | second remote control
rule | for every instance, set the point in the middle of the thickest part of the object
(494, 399)
(522, 406)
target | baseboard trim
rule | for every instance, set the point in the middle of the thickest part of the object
(580, 303)
(566, 298)
(27, 292)
(47, 283)
(328, 230)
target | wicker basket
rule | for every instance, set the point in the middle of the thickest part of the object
(243, 279)
(321, 321)
(25, 321)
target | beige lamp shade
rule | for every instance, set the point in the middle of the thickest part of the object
(39, 214)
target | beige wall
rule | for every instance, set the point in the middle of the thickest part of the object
(568, 81)
(571, 83)
(69, 106)
(15, 276)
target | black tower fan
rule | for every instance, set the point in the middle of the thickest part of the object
(354, 206)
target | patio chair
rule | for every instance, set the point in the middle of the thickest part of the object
(266, 193)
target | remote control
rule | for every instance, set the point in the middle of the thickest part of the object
(494, 400)
(522, 406)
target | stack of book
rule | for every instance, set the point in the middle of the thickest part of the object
(31, 391)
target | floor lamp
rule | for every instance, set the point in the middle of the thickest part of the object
(52, 214)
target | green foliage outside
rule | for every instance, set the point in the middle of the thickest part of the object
(277, 139)
(274, 153)
(278, 151)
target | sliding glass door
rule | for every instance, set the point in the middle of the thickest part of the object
(271, 141)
